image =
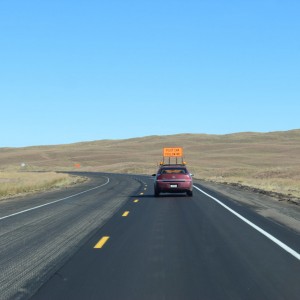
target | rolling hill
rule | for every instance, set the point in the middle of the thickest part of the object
(269, 161)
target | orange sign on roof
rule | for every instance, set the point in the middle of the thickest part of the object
(173, 152)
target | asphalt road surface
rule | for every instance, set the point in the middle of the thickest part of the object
(112, 239)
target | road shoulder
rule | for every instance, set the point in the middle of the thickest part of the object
(282, 212)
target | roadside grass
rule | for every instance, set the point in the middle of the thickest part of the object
(288, 187)
(20, 183)
(280, 181)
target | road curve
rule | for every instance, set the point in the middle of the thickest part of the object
(171, 247)
(39, 233)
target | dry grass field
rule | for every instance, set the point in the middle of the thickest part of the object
(20, 183)
(266, 161)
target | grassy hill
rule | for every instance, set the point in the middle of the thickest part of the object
(270, 161)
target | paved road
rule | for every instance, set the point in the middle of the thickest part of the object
(171, 247)
(39, 233)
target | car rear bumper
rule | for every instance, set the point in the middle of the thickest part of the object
(173, 186)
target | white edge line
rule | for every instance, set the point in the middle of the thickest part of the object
(36, 207)
(266, 234)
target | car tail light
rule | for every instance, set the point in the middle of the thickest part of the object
(159, 177)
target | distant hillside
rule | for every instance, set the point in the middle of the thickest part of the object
(231, 158)
(208, 154)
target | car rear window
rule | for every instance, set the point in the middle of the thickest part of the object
(173, 171)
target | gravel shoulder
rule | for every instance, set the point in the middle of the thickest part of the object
(278, 208)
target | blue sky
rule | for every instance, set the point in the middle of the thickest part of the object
(79, 70)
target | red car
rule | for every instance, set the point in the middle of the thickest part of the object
(173, 179)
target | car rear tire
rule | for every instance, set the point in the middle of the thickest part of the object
(156, 193)
(189, 193)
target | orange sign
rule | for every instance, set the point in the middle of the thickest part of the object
(173, 152)
(77, 165)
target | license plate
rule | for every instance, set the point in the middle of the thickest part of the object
(173, 185)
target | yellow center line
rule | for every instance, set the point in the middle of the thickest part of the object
(125, 214)
(101, 243)
(136, 200)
